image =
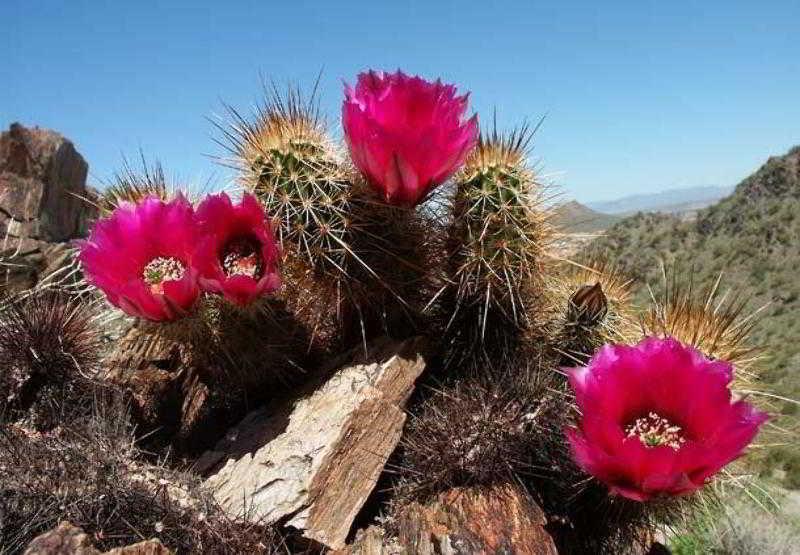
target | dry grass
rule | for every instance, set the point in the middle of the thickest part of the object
(91, 474)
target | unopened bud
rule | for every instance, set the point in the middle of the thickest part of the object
(588, 305)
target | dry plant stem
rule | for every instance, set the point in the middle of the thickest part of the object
(89, 473)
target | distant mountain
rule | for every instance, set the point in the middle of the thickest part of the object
(752, 237)
(672, 201)
(574, 217)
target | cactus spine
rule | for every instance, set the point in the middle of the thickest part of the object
(591, 303)
(287, 159)
(498, 235)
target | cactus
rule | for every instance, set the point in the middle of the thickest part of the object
(391, 244)
(287, 159)
(499, 232)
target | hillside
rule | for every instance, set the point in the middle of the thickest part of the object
(671, 201)
(575, 217)
(753, 238)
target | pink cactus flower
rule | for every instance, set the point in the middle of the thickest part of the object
(141, 258)
(657, 418)
(237, 256)
(405, 134)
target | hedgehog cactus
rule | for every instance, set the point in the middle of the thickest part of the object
(287, 159)
(498, 236)
(402, 240)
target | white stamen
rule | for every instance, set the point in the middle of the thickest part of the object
(160, 270)
(242, 258)
(654, 431)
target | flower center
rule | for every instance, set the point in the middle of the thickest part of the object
(160, 270)
(242, 257)
(654, 431)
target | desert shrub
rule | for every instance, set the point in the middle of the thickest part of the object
(49, 352)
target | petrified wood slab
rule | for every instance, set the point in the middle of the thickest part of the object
(311, 462)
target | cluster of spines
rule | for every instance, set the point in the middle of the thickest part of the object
(499, 233)
(285, 156)
(49, 355)
(131, 185)
(706, 318)
(591, 306)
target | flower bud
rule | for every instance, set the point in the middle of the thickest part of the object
(588, 305)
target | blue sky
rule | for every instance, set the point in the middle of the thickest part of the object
(639, 96)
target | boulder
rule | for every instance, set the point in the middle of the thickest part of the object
(42, 185)
(44, 202)
(311, 462)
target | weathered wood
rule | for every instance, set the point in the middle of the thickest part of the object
(312, 462)
(475, 521)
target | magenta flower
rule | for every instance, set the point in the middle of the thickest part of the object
(405, 134)
(141, 258)
(237, 256)
(657, 418)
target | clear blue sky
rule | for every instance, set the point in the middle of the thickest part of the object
(639, 96)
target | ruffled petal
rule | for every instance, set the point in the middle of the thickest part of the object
(625, 384)
(405, 134)
(120, 246)
(220, 222)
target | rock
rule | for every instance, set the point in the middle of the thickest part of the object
(312, 462)
(65, 539)
(149, 547)
(475, 521)
(42, 185)
(371, 541)
(43, 203)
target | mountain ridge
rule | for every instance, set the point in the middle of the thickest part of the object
(670, 200)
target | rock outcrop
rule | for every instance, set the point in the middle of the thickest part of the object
(44, 202)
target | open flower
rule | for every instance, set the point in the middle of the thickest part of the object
(141, 258)
(405, 134)
(237, 256)
(657, 418)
